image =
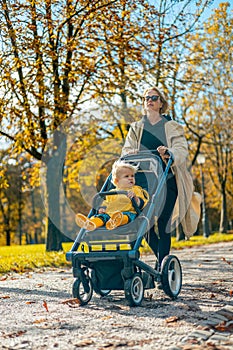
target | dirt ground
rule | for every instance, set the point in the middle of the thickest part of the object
(38, 311)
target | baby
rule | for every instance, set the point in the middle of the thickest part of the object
(117, 209)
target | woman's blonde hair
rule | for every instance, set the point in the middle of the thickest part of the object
(118, 166)
(162, 98)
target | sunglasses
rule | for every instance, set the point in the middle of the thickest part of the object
(153, 98)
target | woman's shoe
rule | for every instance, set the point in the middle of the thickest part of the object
(157, 266)
(159, 286)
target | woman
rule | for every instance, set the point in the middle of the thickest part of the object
(158, 133)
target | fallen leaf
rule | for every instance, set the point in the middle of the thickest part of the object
(4, 297)
(225, 260)
(71, 301)
(30, 302)
(217, 282)
(84, 343)
(45, 306)
(106, 317)
(193, 342)
(14, 335)
(212, 295)
(3, 278)
(172, 319)
(231, 292)
(221, 326)
(74, 302)
(42, 320)
(224, 327)
(120, 325)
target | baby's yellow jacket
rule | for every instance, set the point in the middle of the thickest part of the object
(121, 202)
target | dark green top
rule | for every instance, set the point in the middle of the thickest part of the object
(153, 136)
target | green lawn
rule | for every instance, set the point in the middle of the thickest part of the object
(30, 257)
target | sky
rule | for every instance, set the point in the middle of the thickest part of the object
(209, 11)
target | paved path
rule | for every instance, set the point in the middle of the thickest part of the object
(36, 312)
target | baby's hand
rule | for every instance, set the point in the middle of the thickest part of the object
(102, 210)
(131, 194)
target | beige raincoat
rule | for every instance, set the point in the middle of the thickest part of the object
(187, 207)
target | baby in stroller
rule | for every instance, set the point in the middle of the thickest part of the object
(117, 209)
(106, 259)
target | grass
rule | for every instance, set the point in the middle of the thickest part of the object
(31, 257)
(200, 240)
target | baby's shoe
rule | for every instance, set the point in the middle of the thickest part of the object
(83, 221)
(114, 221)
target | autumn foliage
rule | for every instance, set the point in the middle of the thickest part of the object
(71, 77)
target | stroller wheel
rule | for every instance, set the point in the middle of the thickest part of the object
(134, 290)
(171, 276)
(83, 291)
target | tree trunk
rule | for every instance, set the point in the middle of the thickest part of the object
(7, 226)
(35, 238)
(53, 183)
(54, 238)
(20, 210)
(8, 237)
(223, 219)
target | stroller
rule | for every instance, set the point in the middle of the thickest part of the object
(105, 260)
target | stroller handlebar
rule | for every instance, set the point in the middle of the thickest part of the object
(170, 154)
(98, 198)
(146, 153)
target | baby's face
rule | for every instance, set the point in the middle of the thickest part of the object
(126, 178)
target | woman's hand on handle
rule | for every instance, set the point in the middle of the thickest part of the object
(163, 151)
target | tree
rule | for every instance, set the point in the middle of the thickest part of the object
(209, 102)
(59, 56)
(45, 68)
(11, 200)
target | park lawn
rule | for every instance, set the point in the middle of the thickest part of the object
(31, 257)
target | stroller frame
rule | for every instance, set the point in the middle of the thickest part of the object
(106, 266)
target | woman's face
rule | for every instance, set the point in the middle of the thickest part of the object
(152, 101)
